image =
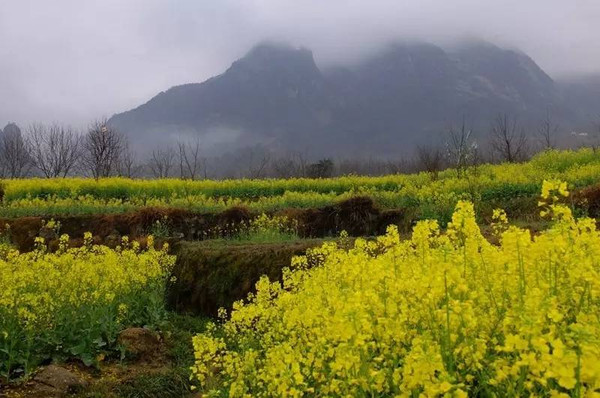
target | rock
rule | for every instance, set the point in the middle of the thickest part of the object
(113, 239)
(60, 379)
(48, 234)
(138, 341)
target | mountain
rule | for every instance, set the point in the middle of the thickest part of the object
(584, 93)
(275, 94)
(405, 95)
(411, 92)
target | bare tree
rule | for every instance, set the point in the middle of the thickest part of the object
(161, 162)
(431, 159)
(15, 156)
(55, 150)
(128, 165)
(461, 148)
(102, 147)
(285, 167)
(349, 166)
(507, 139)
(362, 166)
(257, 160)
(547, 131)
(290, 164)
(302, 160)
(401, 166)
(190, 159)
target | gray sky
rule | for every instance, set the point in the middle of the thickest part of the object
(74, 60)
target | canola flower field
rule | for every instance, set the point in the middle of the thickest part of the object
(432, 197)
(444, 313)
(440, 314)
(73, 303)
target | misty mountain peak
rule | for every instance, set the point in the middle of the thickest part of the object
(402, 49)
(276, 57)
(491, 57)
(397, 98)
(507, 73)
(409, 63)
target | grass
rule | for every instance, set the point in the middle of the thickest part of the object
(172, 384)
(261, 229)
(267, 236)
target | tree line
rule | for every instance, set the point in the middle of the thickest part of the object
(506, 140)
(54, 150)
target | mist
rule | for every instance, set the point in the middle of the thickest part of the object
(73, 61)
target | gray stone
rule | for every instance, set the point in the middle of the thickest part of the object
(60, 379)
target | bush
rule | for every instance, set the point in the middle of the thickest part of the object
(322, 169)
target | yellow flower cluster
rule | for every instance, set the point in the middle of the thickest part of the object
(552, 193)
(269, 228)
(440, 314)
(434, 197)
(75, 301)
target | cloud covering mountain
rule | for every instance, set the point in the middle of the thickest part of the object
(404, 95)
(72, 61)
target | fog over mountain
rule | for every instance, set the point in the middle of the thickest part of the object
(405, 95)
(345, 77)
(72, 61)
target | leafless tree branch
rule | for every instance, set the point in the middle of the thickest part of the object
(55, 149)
(547, 131)
(461, 147)
(128, 165)
(161, 162)
(507, 139)
(190, 159)
(431, 159)
(102, 147)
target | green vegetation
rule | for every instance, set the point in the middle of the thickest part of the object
(260, 229)
(73, 303)
(69, 305)
(430, 195)
(213, 274)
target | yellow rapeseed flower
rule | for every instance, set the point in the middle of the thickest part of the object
(440, 314)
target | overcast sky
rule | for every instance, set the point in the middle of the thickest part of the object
(74, 60)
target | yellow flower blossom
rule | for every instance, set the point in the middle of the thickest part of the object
(73, 301)
(439, 314)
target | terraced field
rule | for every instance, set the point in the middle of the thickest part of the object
(483, 284)
(429, 195)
